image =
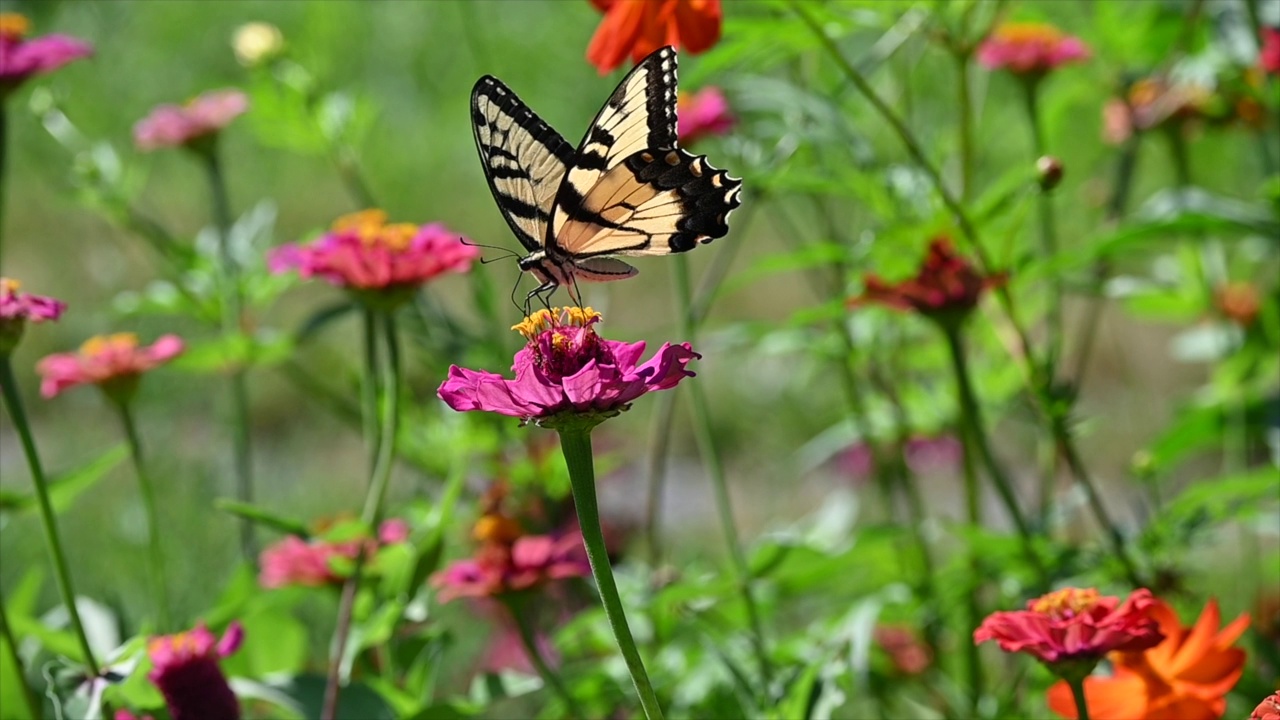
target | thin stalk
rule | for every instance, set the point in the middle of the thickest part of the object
(159, 586)
(974, 426)
(35, 709)
(1077, 693)
(4, 172)
(369, 386)
(48, 520)
(524, 625)
(705, 439)
(964, 128)
(1048, 228)
(973, 514)
(379, 480)
(344, 161)
(232, 327)
(576, 446)
(1081, 475)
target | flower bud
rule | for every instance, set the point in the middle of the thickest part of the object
(256, 43)
(1049, 172)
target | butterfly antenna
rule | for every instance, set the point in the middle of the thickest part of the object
(485, 261)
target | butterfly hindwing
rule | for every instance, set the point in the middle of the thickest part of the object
(524, 159)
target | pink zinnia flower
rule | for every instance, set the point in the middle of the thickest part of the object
(126, 715)
(21, 58)
(185, 668)
(1074, 626)
(946, 286)
(566, 370)
(1030, 49)
(1269, 55)
(499, 568)
(703, 114)
(192, 124)
(16, 308)
(1268, 709)
(112, 362)
(365, 254)
(294, 561)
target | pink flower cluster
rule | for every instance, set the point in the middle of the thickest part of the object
(526, 563)
(185, 669)
(21, 58)
(186, 125)
(1030, 49)
(565, 368)
(294, 561)
(703, 114)
(363, 252)
(105, 360)
(18, 306)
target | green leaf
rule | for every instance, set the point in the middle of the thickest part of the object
(356, 699)
(66, 487)
(223, 354)
(264, 517)
(275, 643)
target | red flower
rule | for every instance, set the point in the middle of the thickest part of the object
(1269, 55)
(185, 668)
(21, 58)
(946, 286)
(1268, 709)
(703, 114)
(639, 27)
(294, 561)
(1186, 676)
(1030, 49)
(112, 362)
(908, 654)
(189, 124)
(1072, 625)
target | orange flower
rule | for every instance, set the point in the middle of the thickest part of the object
(639, 27)
(1187, 676)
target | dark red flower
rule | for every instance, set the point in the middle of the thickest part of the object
(185, 668)
(1074, 625)
(946, 285)
(639, 27)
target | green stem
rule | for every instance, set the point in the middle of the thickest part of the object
(1048, 227)
(4, 172)
(352, 179)
(576, 446)
(380, 479)
(973, 513)
(965, 126)
(1081, 474)
(34, 707)
(704, 436)
(232, 327)
(974, 427)
(1077, 692)
(159, 586)
(520, 611)
(369, 386)
(49, 521)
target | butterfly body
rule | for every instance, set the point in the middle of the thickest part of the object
(628, 189)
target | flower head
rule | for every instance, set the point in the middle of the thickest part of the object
(1186, 676)
(17, 307)
(185, 668)
(1269, 55)
(294, 561)
(567, 373)
(703, 114)
(908, 654)
(256, 43)
(639, 27)
(1268, 709)
(112, 362)
(20, 58)
(1071, 629)
(365, 254)
(1239, 302)
(193, 125)
(1154, 102)
(947, 287)
(1030, 49)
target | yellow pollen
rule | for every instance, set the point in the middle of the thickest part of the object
(397, 236)
(1073, 600)
(1028, 32)
(360, 220)
(497, 529)
(531, 326)
(99, 344)
(9, 286)
(13, 26)
(543, 320)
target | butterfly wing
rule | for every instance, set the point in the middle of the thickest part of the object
(629, 189)
(524, 159)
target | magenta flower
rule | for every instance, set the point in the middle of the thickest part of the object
(191, 125)
(185, 669)
(365, 254)
(566, 371)
(500, 568)
(1269, 54)
(126, 715)
(703, 114)
(294, 561)
(16, 308)
(112, 362)
(21, 58)
(1030, 49)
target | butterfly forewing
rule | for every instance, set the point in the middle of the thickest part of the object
(524, 159)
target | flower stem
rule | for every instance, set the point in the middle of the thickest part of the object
(965, 127)
(35, 709)
(49, 522)
(1048, 227)
(379, 480)
(369, 386)
(973, 427)
(705, 438)
(159, 587)
(4, 172)
(232, 327)
(519, 609)
(1077, 692)
(1081, 473)
(576, 446)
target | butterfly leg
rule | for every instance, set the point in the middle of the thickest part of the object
(542, 292)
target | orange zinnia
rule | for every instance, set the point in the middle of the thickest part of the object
(1187, 676)
(639, 27)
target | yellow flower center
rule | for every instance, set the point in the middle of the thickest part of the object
(1028, 32)
(544, 320)
(372, 229)
(183, 643)
(497, 529)
(13, 26)
(1067, 602)
(100, 344)
(9, 286)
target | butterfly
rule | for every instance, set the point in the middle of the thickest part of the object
(628, 189)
